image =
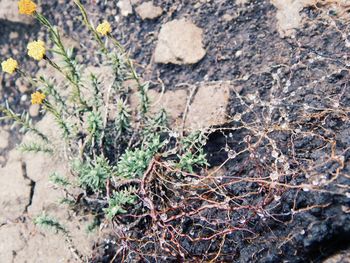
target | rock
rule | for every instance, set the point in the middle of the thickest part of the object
(9, 11)
(241, 2)
(209, 106)
(4, 138)
(34, 110)
(179, 42)
(14, 35)
(227, 17)
(14, 191)
(21, 86)
(173, 101)
(149, 11)
(340, 257)
(125, 7)
(288, 17)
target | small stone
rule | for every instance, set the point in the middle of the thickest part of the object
(135, 2)
(34, 110)
(209, 105)
(125, 7)
(149, 11)
(21, 86)
(14, 35)
(227, 17)
(179, 42)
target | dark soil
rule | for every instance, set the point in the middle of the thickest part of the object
(294, 98)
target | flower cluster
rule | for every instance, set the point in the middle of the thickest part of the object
(38, 97)
(36, 50)
(9, 65)
(104, 28)
(26, 7)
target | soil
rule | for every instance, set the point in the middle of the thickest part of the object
(289, 99)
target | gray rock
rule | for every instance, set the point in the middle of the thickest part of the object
(21, 86)
(148, 11)
(179, 42)
(125, 7)
(34, 110)
(14, 35)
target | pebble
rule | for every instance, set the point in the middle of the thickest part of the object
(179, 42)
(125, 7)
(21, 86)
(34, 110)
(149, 11)
(14, 35)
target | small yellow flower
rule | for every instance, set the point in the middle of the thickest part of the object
(26, 7)
(38, 97)
(36, 49)
(104, 28)
(9, 65)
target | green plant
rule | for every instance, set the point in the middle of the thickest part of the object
(188, 160)
(133, 163)
(109, 146)
(35, 147)
(46, 221)
(59, 180)
(122, 121)
(93, 174)
(192, 152)
(118, 202)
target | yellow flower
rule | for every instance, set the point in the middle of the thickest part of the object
(104, 28)
(38, 97)
(36, 49)
(26, 7)
(9, 65)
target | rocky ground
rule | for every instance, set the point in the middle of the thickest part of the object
(278, 66)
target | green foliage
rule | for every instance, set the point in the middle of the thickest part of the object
(120, 199)
(24, 121)
(189, 160)
(118, 64)
(192, 152)
(46, 221)
(59, 180)
(94, 125)
(34, 147)
(97, 99)
(122, 121)
(93, 225)
(66, 201)
(133, 163)
(103, 148)
(48, 88)
(156, 124)
(69, 68)
(194, 140)
(93, 174)
(145, 104)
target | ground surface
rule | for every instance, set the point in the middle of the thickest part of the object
(288, 77)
